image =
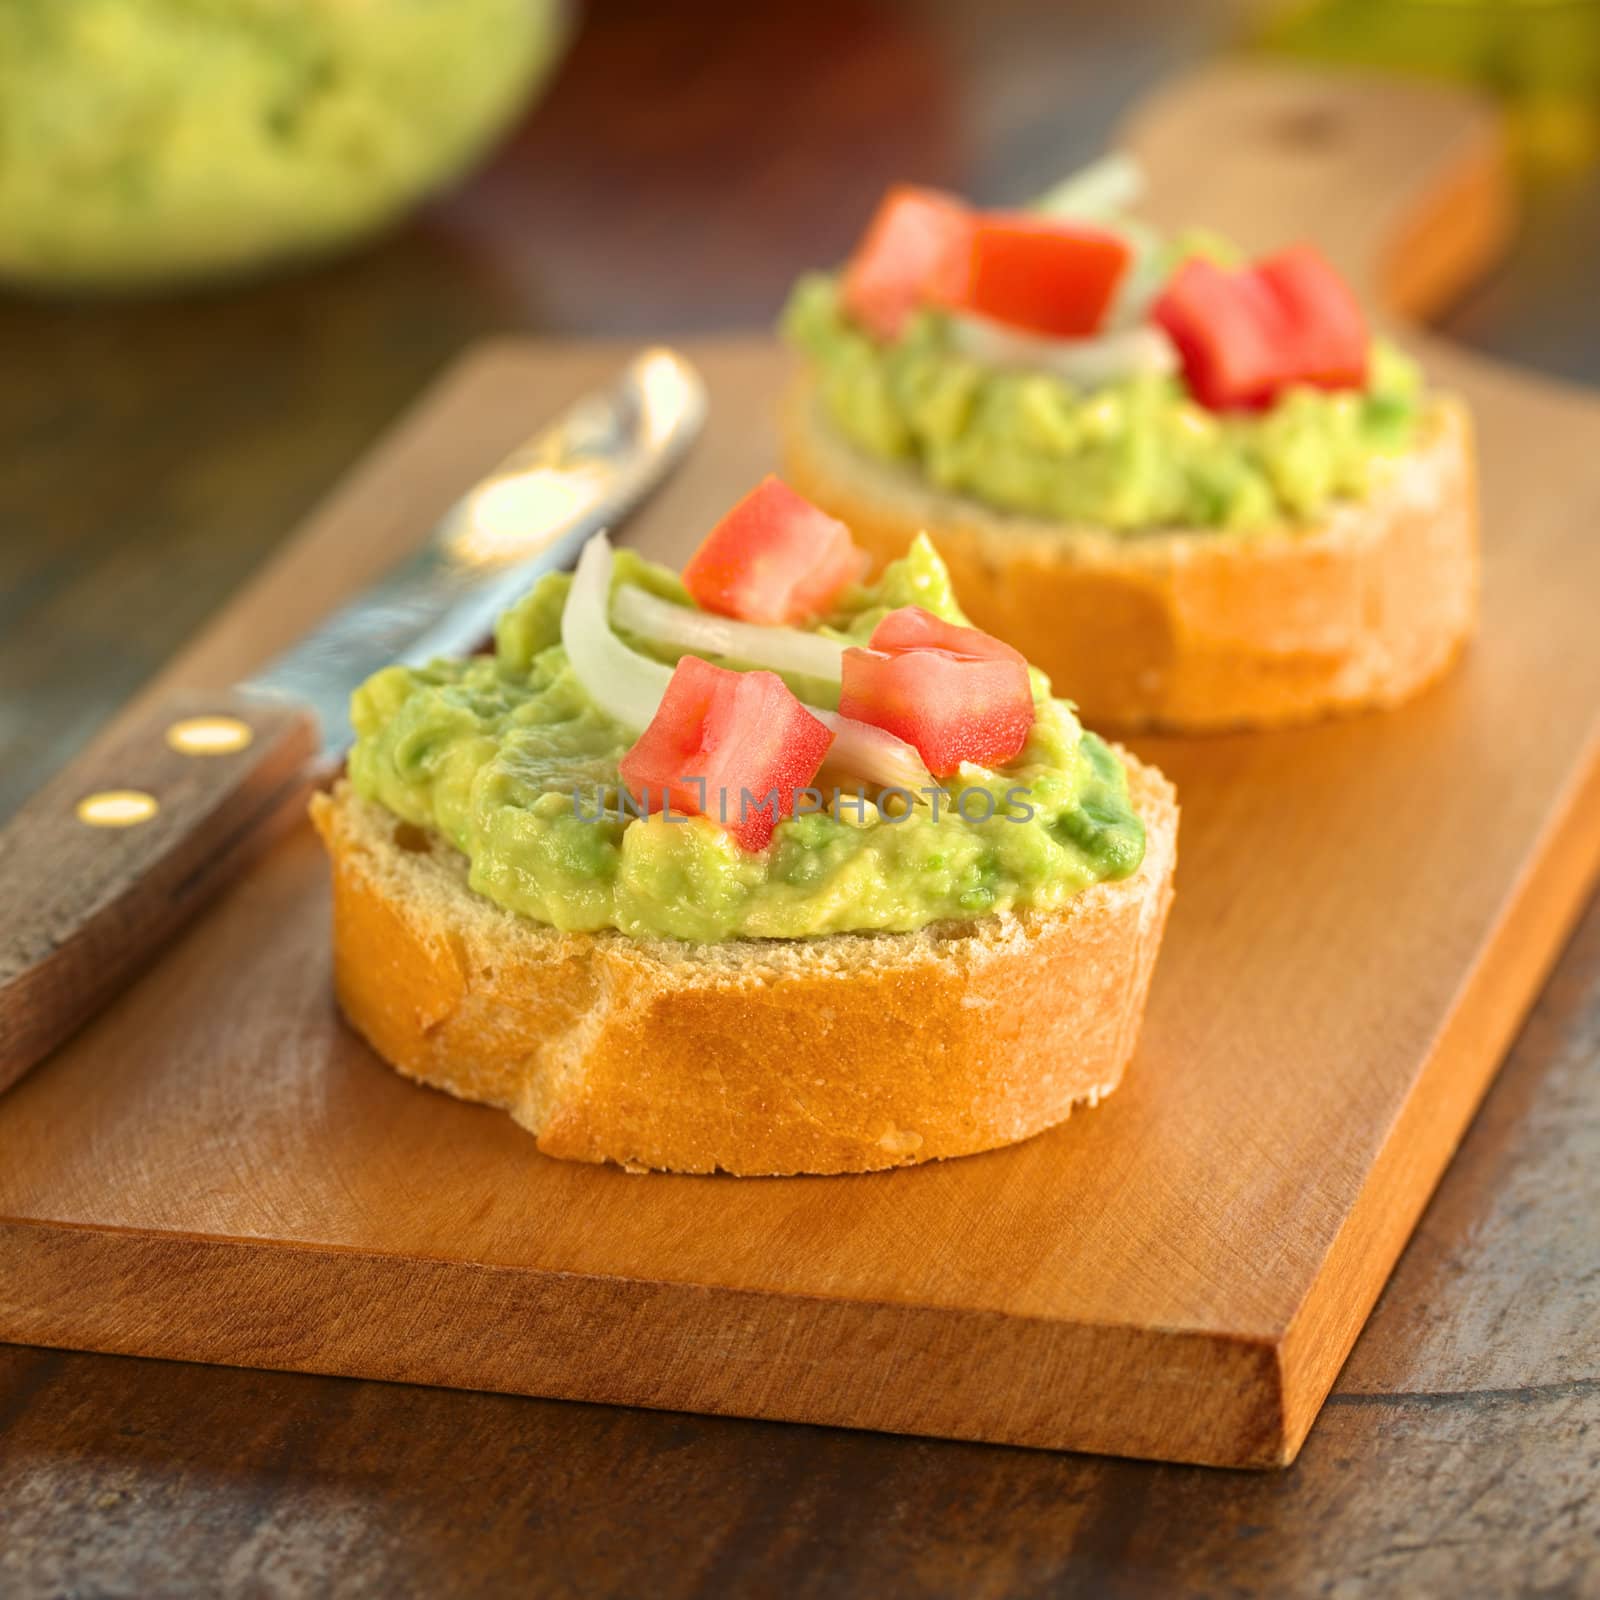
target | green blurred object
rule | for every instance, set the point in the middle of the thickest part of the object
(1542, 57)
(145, 142)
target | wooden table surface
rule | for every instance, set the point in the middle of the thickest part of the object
(155, 452)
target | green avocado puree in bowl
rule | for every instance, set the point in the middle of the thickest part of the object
(508, 758)
(143, 141)
(1131, 455)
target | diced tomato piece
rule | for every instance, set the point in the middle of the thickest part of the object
(1329, 332)
(914, 250)
(1245, 336)
(913, 628)
(775, 558)
(1221, 325)
(1051, 277)
(957, 694)
(1227, 328)
(736, 747)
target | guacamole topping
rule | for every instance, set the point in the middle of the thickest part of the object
(1129, 455)
(142, 139)
(509, 758)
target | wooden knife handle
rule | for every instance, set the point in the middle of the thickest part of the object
(126, 843)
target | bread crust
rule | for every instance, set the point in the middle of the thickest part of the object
(846, 1053)
(1183, 629)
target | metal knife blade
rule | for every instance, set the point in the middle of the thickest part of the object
(531, 515)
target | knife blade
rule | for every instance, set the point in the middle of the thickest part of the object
(531, 515)
(133, 837)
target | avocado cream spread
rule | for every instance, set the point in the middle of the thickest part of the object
(142, 139)
(1132, 455)
(509, 759)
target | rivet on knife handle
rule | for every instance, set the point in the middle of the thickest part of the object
(125, 843)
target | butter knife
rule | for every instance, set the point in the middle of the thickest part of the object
(129, 840)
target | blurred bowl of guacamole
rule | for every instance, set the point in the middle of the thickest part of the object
(148, 142)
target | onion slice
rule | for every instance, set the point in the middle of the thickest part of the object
(1145, 278)
(1096, 193)
(875, 755)
(628, 686)
(1084, 363)
(625, 685)
(781, 649)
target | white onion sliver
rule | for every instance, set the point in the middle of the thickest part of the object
(1101, 190)
(624, 684)
(1145, 278)
(874, 755)
(629, 686)
(1085, 363)
(781, 649)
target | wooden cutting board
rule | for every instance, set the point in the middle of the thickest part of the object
(216, 1170)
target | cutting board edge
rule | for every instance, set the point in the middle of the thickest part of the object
(1495, 999)
(575, 1336)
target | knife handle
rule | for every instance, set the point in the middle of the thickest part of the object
(118, 850)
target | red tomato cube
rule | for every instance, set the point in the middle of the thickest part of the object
(1327, 328)
(736, 747)
(775, 558)
(1226, 326)
(956, 693)
(914, 250)
(1245, 336)
(1050, 277)
(913, 628)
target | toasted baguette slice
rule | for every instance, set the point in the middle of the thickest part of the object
(1192, 630)
(839, 1054)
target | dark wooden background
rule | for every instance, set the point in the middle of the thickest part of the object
(689, 160)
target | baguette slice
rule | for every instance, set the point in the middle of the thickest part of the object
(1189, 629)
(844, 1053)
